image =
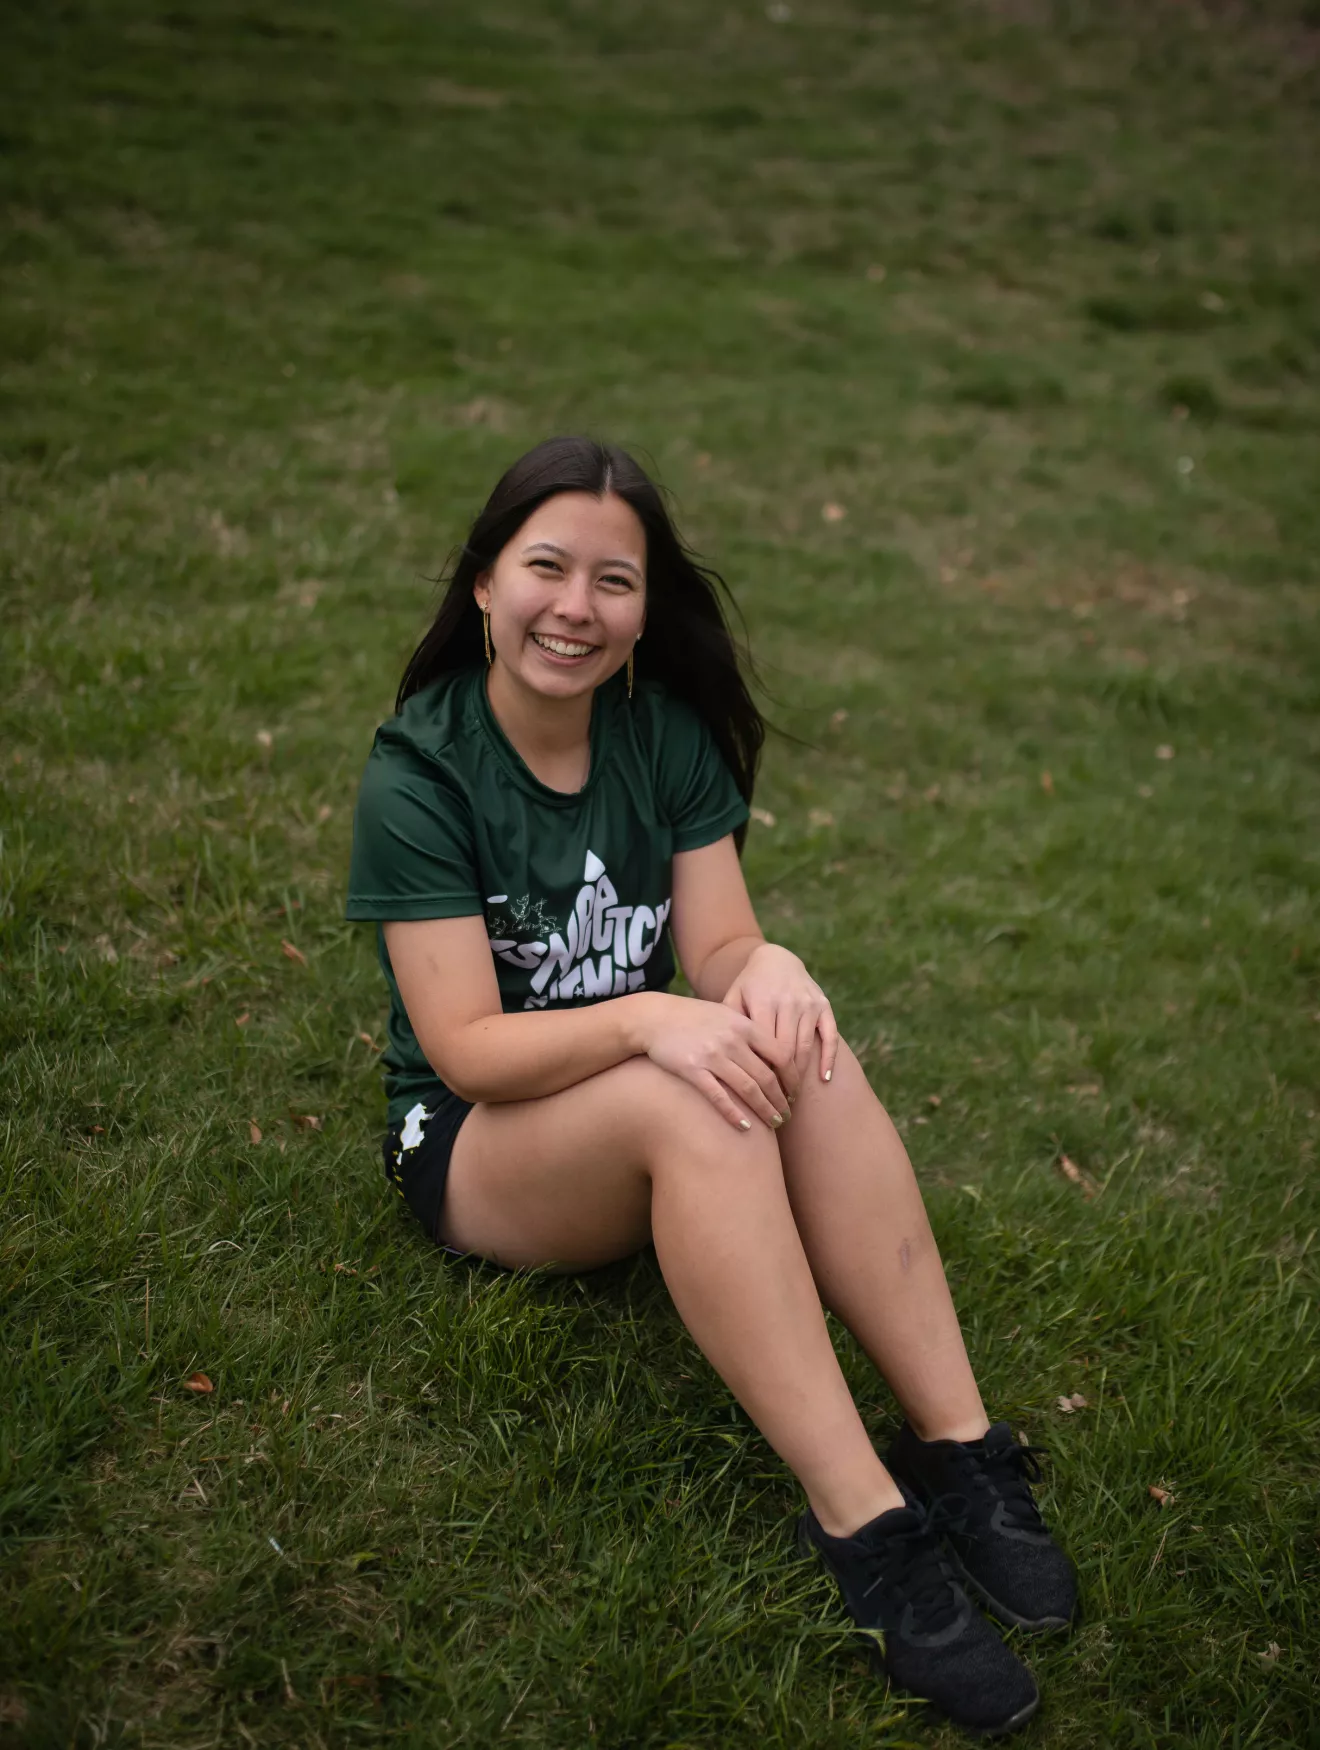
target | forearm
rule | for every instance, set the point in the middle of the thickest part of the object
(721, 968)
(524, 1056)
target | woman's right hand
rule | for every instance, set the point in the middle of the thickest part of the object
(721, 1053)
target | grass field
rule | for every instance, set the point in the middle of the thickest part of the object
(1028, 293)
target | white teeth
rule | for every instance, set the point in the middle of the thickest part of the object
(561, 647)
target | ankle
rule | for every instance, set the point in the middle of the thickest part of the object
(969, 1428)
(842, 1512)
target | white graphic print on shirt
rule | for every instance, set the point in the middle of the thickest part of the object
(601, 951)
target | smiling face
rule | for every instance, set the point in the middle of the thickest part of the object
(567, 595)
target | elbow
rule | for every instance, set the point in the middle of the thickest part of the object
(464, 1089)
(459, 1067)
(448, 1064)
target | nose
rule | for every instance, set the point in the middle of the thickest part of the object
(573, 602)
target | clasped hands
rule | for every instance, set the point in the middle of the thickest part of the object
(750, 1053)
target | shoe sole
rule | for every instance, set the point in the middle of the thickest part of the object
(808, 1549)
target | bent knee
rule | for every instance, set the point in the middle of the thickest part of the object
(673, 1116)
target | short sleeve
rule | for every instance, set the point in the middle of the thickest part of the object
(697, 789)
(413, 851)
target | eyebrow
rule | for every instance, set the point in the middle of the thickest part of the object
(561, 553)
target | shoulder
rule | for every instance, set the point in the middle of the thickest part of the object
(666, 723)
(430, 725)
(422, 746)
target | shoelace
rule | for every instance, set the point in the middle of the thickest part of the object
(911, 1565)
(1006, 1471)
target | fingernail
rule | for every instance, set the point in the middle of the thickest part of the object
(777, 1119)
(791, 1098)
(828, 1074)
(744, 1124)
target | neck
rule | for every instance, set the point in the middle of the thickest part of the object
(543, 731)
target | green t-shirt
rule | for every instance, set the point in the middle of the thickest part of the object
(575, 888)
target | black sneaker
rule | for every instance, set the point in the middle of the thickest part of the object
(931, 1638)
(979, 1496)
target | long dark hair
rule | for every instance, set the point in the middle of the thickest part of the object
(688, 646)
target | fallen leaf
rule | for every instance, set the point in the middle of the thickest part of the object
(933, 1100)
(109, 953)
(1064, 1406)
(291, 953)
(265, 738)
(820, 817)
(833, 513)
(1161, 1497)
(1164, 751)
(324, 812)
(1077, 1401)
(243, 1019)
(1047, 782)
(166, 957)
(345, 1270)
(198, 1382)
(1075, 1176)
(1270, 1654)
(306, 1121)
(1145, 792)
(838, 718)
(368, 1041)
(254, 1131)
(763, 817)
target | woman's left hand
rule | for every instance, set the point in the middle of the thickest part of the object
(776, 991)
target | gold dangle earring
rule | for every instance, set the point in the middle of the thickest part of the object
(485, 632)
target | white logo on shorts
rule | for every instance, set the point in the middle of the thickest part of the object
(412, 1127)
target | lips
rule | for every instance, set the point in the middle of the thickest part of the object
(572, 649)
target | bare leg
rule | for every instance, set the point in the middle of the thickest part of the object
(874, 1258)
(590, 1174)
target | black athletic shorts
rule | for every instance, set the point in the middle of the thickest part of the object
(416, 1155)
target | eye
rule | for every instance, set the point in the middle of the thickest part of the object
(622, 582)
(548, 564)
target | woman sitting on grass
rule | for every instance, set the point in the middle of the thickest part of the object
(555, 810)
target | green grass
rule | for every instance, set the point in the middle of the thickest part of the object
(281, 290)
